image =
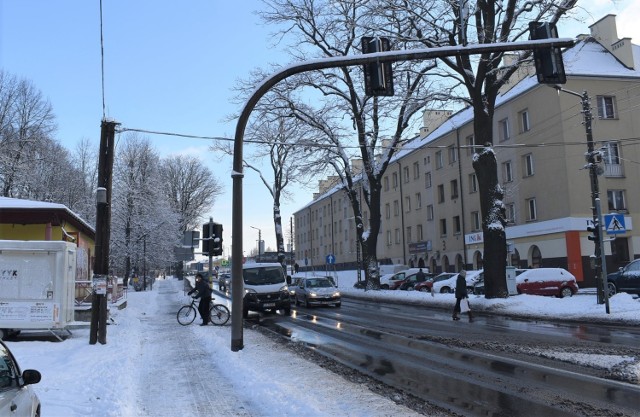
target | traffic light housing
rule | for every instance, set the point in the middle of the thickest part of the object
(207, 242)
(216, 249)
(378, 76)
(595, 232)
(548, 61)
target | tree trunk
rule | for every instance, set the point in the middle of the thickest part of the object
(493, 212)
(277, 221)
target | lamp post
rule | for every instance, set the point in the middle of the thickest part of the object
(600, 264)
(259, 240)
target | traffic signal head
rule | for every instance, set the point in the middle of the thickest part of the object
(549, 65)
(217, 240)
(378, 76)
(595, 232)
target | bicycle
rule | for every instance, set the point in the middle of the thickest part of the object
(219, 314)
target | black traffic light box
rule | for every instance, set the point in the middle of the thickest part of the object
(378, 76)
(548, 61)
(595, 232)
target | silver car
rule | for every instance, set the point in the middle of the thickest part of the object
(16, 396)
(317, 291)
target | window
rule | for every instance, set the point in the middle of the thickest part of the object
(531, 209)
(386, 183)
(416, 170)
(387, 211)
(510, 213)
(395, 179)
(457, 225)
(396, 208)
(397, 236)
(405, 172)
(419, 235)
(453, 154)
(443, 227)
(439, 160)
(441, 193)
(616, 200)
(409, 234)
(389, 241)
(606, 107)
(473, 183)
(528, 165)
(471, 148)
(427, 180)
(523, 116)
(454, 189)
(430, 212)
(503, 129)
(475, 220)
(418, 201)
(611, 153)
(407, 204)
(507, 171)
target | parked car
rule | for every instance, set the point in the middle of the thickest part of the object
(389, 280)
(478, 287)
(16, 396)
(409, 283)
(317, 291)
(547, 281)
(626, 279)
(449, 285)
(426, 285)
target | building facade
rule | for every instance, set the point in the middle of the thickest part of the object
(430, 206)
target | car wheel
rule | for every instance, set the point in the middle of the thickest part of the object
(424, 289)
(445, 290)
(410, 289)
(338, 305)
(245, 313)
(297, 301)
(384, 287)
(566, 292)
(612, 289)
(287, 311)
(306, 303)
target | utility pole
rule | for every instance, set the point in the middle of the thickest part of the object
(98, 331)
(592, 156)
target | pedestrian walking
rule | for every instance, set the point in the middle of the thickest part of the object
(461, 297)
(420, 277)
(203, 292)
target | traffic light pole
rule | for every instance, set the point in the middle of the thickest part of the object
(317, 64)
(600, 263)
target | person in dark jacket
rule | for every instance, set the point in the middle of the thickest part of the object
(203, 292)
(461, 293)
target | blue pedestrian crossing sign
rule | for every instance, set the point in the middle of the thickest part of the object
(331, 259)
(614, 224)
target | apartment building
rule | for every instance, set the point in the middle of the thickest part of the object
(431, 207)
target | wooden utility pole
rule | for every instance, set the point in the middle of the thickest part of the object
(98, 330)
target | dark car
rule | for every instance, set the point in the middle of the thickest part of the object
(224, 282)
(409, 283)
(626, 279)
(16, 396)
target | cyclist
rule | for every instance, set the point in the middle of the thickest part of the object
(203, 292)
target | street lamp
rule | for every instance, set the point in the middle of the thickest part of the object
(259, 240)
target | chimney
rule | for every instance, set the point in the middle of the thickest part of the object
(605, 32)
(432, 119)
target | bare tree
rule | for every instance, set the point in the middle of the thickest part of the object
(349, 123)
(85, 158)
(478, 80)
(142, 216)
(26, 121)
(190, 188)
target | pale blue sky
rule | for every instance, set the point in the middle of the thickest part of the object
(170, 66)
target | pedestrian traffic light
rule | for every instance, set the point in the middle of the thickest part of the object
(378, 76)
(548, 61)
(595, 232)
(217, 240)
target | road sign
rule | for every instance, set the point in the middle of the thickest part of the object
(331, 259)
(614, 224)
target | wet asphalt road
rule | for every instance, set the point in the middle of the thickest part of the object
(488, 367)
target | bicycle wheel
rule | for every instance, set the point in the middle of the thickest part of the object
(219, 314)
(186, 315)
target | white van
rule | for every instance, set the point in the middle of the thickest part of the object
(265, 288)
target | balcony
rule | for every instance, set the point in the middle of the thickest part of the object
(613, 170)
